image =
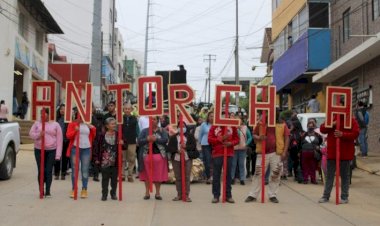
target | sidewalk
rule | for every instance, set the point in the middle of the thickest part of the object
(370, 164)
(26, 147)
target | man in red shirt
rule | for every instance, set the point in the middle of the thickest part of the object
(220, 137)
(347, 152)
(277, 143)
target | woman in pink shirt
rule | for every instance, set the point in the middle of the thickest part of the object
(53, 148)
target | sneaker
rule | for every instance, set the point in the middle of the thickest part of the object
(63, 177)
(48, 195)
(233, 182)
(104, 198)
(242, 182)
(215, 200)
(56, 177)
(83, 194)
(230, 200)
(113, 197)
(250, 199)
(274, 200)
(72, 194)
(323, 200)
(208, 181)
(343, 201)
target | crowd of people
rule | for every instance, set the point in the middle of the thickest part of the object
(289, 152)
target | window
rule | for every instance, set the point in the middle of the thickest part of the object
(346, 25)
(375, 9)
(319, 15)
(303, 21)
(295, 28)
(23, 26)
(39, 41)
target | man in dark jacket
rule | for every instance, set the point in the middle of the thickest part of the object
(362, 117)
(130, 134)
(111, 111)
(347, 152)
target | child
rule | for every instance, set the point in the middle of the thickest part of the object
(108, 159)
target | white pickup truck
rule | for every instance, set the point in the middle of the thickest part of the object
(9, 147)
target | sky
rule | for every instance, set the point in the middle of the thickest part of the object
(183, 31)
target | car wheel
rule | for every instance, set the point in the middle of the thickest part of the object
(6, 167)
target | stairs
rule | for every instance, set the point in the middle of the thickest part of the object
(24, 131)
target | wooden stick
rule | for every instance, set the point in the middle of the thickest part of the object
(42, 154)
(119, 164)
(337, 159)
(76, 173)
(263, 146)
(150, 143)
(225, 152)
(183, 173)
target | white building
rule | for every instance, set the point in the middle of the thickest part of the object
(24, 25)
(119, 57)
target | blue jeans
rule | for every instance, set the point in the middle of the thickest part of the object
(238, 160)
(84, 160)
(363, 141)
(48, 170)
(206, 150)
(217, 173)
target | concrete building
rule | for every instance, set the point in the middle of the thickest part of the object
(24, 26)
(355, 40)
(301, 47)
(133, 69)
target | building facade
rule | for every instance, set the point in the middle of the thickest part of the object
(355, 40)
(24, 48)
(301, 48)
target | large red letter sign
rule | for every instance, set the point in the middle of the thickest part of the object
(218, 120)
(333, 107)
(119, 88)
(159, 108)
(180, 102)
(43, 95)
(72, 94)
(267, 104)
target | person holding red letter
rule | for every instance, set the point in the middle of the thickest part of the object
(86, 135)
(347, 147)
(220, 137)
(53, 148)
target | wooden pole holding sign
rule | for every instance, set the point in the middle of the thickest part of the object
(337, 160)
(120, 163)
(76, 172)
(225, 151)
(263, 145)
(42, 153)
(150, 143)
(183, 173)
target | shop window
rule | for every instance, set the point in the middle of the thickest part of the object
(319, 15)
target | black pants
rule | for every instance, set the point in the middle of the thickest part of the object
(251, 163)
(109, 174)
(48, 163)
(61, 166)
(217, 172)
(344, 176)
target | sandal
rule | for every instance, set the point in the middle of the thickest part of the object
(158, 197)
(146, 197)
(176, 199)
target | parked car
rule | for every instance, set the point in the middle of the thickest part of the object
(9, 147)
(305, 117)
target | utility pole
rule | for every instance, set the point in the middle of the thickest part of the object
(96, 53)
(237, 53)
(147, 39)
(209, 58)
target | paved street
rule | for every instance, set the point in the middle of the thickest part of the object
(20, 205)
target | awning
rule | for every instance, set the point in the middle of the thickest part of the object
(360, 55)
